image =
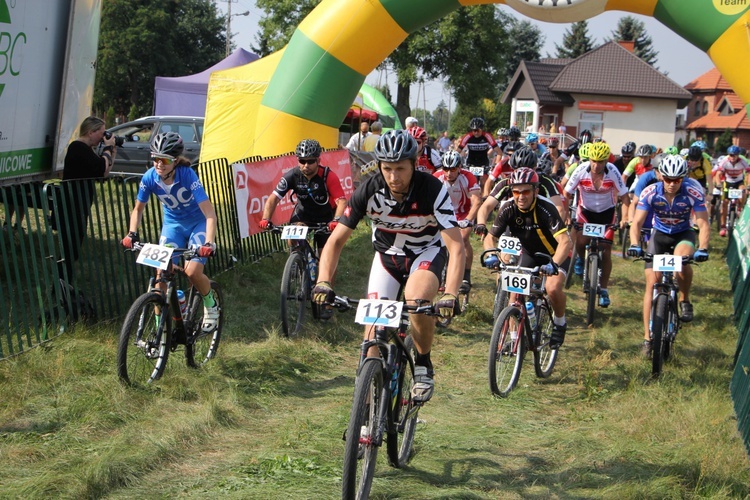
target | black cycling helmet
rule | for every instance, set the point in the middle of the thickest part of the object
(524, 157)
(308, 148)
(524, 176)
(167, 143)
(695, 153)
(545, 165)
(396, 145)
(628, 149)
(512, 146)
(585, 136)
(644, 150)
(476, 124)
(572, 149)
(514, 133)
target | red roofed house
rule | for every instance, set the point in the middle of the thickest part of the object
(714, 108)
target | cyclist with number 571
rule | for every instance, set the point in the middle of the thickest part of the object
(672, 200)
(537, 224)
(189, 216)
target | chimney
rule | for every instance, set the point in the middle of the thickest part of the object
(627, 45)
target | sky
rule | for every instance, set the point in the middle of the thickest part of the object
(678, 58)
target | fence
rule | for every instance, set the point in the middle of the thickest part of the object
(738, 260)
(65, 262)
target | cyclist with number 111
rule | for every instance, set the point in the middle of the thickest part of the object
(535, 221)
(672, 200)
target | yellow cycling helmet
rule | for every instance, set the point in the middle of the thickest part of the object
(599, 151)
(584, 150)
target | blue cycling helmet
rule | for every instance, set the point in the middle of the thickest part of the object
(700, 144)
(733, 150)
(532, 137)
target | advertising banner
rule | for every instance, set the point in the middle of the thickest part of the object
(255, 182)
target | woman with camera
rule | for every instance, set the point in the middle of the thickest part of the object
(82, 166)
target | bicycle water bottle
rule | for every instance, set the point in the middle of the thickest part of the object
(183, 303)
(312, 268)
(531, 313)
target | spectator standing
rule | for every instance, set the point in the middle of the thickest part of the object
(375, 130)
(562, 129)
(357, 140)
(444, 143)
(411, 122)
(552, 129)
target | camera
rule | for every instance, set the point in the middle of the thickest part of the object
(119, 141)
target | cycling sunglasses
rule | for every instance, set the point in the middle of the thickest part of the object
(308, 161)
(164, 159)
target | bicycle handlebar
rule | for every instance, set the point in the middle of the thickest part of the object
(343, 303)
(517, 267)
(321, 227)
(187, 253)
(649, 257)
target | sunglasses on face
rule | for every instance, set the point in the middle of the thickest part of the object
(476, 130)
(165, 160)
(672, 180)
(449, 169)
(521, 192)
(307, 162)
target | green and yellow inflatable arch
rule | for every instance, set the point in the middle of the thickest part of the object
(311, 83)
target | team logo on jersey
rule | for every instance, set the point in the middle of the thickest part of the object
(372, 295)
(425, 264)
(414, 206)
(519, 221)
(282, 185)
(694, 193)
(347, 211)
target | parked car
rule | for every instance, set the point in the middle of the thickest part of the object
(134, 155)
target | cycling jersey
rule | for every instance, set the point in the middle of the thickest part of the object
(179, 199)
(501, 169)
(701, 172)
(460, 191)
(733, 172)
(409, 227)
(316, 197)
(547, 188)
(429, 161)
(478, 148)
(592, 198)
(675, 217)
(537, 228)
(638, 167)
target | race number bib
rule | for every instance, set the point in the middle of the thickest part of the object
(294, 232)
(157, 256)
(477, 171)
(515, 282)
(594, 230)
(379, 312)
(734, 194)
(510, 245)
(667, 263)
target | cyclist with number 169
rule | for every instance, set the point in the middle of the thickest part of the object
(535, 221)
(672, 200)
(189, 216)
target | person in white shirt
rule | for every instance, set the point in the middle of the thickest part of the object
(411, 122)
(357, 141)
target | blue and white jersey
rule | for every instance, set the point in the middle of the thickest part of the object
(180, 199)
(675, 217)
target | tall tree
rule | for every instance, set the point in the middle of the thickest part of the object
(142, 39)
(576, 41)
(630, 29)
(526, 42)
(280, 19)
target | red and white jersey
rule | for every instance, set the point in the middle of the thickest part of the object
(460, 191)
(501, 169)
(591, 198)
(733, 172)
(429, 161)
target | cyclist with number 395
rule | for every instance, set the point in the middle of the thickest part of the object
(672, 200)
(189, 216)
(535, 221)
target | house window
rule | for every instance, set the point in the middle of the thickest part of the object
(705, 108)
(697, 108)
(593, 122)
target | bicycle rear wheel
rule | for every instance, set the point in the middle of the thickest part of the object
(659, 324)
(592, 282)
(143, 348)
(293, 294)
(404, 413)
(363, 426)
(202, 346)
(506, 355)
(544, 356)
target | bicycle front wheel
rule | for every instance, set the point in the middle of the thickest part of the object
(361, 450)
(501, 301)
(625, 244)
(571, 268)
(544, 356)
(592, 280)
(404, 413)
(506, 354)
(659, 325)
(143, 348)
(731, 220)
(293, 294)
(202, 346)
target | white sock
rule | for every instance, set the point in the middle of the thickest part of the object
(560, 321)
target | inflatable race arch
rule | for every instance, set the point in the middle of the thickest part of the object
(305, 89)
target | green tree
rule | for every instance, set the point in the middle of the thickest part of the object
(723, 142)
(630, 29)
(525, 42)
(280, 19)
(142, 39)
(576, 41)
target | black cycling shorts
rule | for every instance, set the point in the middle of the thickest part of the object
(662, 243)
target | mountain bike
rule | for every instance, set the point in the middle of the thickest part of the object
(155, 326)
(642, 242)
(734, 196)
(592, 263)
(299, 276)
(382, 409)
(514, 333)
(512, 247)
(665, 319)
(573, 208)
(716, 208)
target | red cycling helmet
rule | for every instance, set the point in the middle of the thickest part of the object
(418, 132)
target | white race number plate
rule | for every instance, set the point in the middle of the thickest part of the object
(155, 256)
(516, 282)
(510, 245)
(594, 230)
(293, 232)
(379, 312)
(477, 171)
(667, 262)
(734, 194)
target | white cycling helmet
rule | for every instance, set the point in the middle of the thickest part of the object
(452, 159)
(673, 166)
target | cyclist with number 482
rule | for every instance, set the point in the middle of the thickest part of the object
(535, 221)
(189, 216)
(671, 201)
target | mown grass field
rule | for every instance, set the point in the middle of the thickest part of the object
(265, 419)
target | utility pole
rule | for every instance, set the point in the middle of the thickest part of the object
(229, 24)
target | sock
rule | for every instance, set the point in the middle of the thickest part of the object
(209, 300)
(560, 321)
(423, 360)
(603, 290)
(467, 275)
